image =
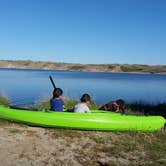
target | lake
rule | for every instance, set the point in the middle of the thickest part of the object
(32, 86)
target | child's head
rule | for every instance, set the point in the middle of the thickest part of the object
(121, 104)
(57, 92)
(85, 98)
(116, 106)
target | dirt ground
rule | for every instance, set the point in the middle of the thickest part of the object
(22, 145)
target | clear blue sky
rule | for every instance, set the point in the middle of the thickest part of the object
(84, 31)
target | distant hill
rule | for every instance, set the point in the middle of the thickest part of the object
(136, 68)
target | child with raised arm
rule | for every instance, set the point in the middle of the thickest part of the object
(57, 100)
(83, 106)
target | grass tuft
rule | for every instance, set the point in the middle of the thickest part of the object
(4, 101)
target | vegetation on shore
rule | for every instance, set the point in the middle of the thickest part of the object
(138, 68)
(69, 105)
(131, 109)
(4, 101)
(130, 148)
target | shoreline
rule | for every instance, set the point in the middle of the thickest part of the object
(59, 66)
(61, 70)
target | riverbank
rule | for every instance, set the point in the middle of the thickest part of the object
(118, 68)
(25, 145)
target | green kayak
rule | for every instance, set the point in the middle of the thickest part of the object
(96, 120)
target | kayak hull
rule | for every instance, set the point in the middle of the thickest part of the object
(97, 120)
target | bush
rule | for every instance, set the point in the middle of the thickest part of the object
(4, 101)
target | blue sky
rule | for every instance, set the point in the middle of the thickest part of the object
(84, 31)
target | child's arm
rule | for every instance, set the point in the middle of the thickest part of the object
(63, 98)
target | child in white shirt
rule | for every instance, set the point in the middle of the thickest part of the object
(83, 106)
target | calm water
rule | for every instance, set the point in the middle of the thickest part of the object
(32, 86)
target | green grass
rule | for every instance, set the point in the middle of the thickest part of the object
(4, 101)
(77, 67)
(45, 104)
(147, 109)
(138, 148)
(137, 108)
(143, 68)
(135, 68)
(15, 131)
(69, 105)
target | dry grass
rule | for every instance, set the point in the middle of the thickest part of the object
(83, 67)
(4, 101)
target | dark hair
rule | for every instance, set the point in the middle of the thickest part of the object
(114, 105)
(57, 92)
(85, 97)
(121, 103)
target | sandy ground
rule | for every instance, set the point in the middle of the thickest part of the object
(22, 145)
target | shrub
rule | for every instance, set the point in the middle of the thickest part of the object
(4, 101)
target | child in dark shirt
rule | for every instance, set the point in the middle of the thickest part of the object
(114, 106)
(57, 100)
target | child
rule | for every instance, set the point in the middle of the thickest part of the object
(57, 101)
(114, 106)
(83, 106)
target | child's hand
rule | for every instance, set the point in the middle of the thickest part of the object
(63, 98)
